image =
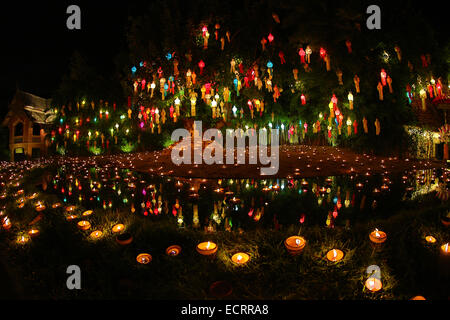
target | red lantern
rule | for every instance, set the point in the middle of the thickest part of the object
(322, 52)
(281, 55)
(383, 75)
(439, 89)
(201, 65)
(348, 43)
(270, 37)
(303, 98)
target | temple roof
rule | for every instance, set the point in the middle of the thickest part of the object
(25, 104)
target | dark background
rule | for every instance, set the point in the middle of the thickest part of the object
(36, 45)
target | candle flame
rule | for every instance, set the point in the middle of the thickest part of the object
(207, 245)
(334, 253)
(446, 247)
(297, 241)
(376, 233)
(239, 257)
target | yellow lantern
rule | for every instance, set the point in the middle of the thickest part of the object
(350, 100)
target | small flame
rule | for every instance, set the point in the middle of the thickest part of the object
(376, 233)
(297, 241)
(334, 253)
(207, 245)
(239, 257)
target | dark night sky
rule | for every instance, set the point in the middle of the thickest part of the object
(36, 45)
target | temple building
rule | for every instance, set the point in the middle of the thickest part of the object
(27, 119)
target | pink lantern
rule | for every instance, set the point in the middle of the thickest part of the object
(302, 54)
(204, 30)
(270, 37)
(334, 100)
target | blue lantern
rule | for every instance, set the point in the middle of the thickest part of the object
(133, 69)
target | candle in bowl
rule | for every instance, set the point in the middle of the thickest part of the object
(445, 249)
(22, 239)
(70, 208)
(71, 217)
(373, 284)
(207, 248)
(377, 236)
(87, 213)
(335, 255)
(124, 239)
(33, 233)
(56, 205)
(430, 239)
(118, 228)
(40, 207)
(173, 251)
(240, 258)
(144, 258)
(84, 225)
(445, 219)
(418, 298)
(6, 224)
(96, 234)
(32, 196)
(294, 244)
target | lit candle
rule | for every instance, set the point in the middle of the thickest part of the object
(87, 213)
(22, 240)
(173, 250)
(377, 236)
(373, 284)
(96, 234)
(118, 227)
(207, 248)
(294, 244)
(144, 258)
(84, 225)
(445, 249)
(240, 258)
(33, 233)
(335, 255)
(430, 239)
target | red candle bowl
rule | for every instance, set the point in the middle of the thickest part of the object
(144, 258)
(173, 251)
(377, 236)
(124, 239)
(295, 244)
